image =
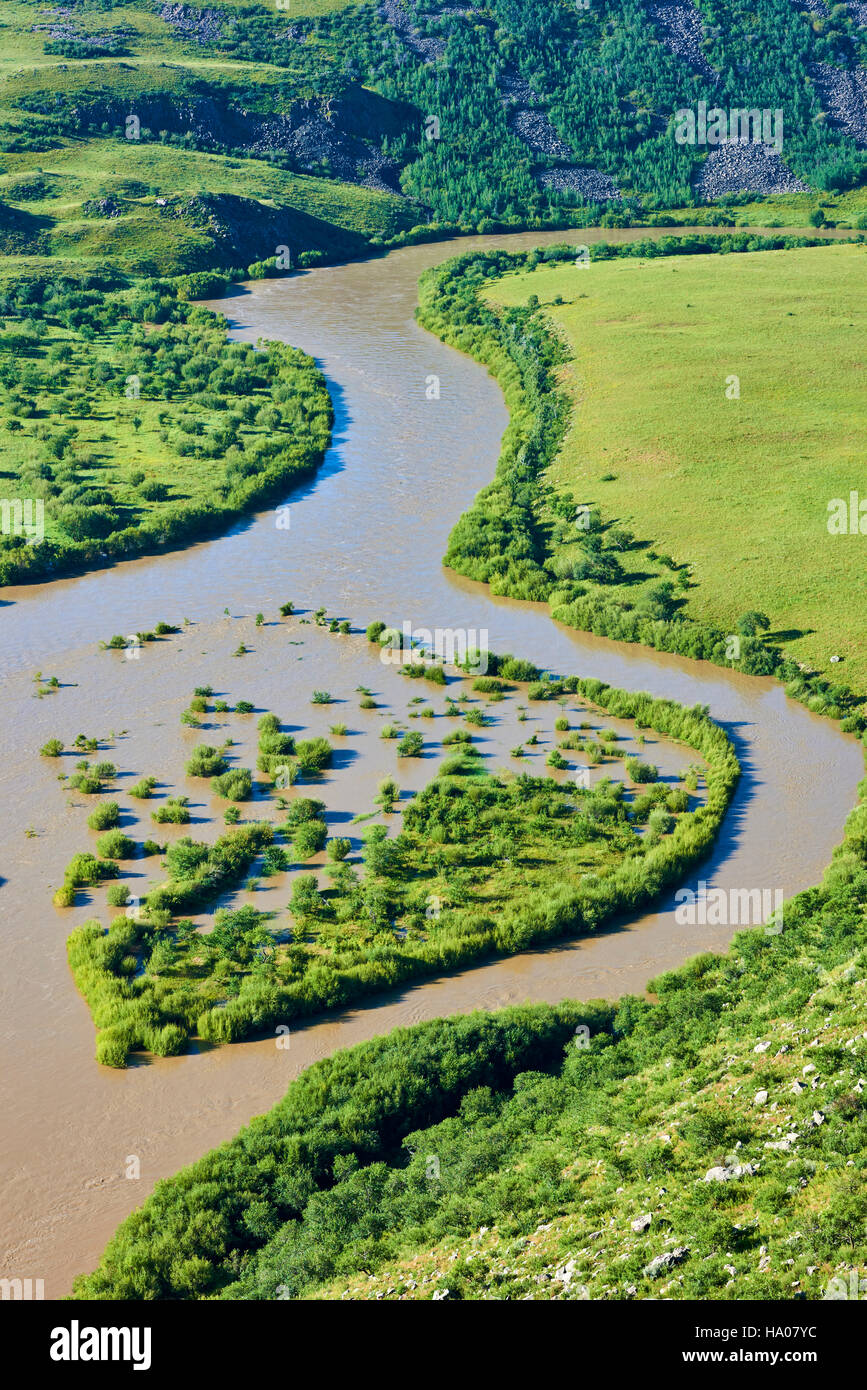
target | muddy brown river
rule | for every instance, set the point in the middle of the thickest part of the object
(365, 540)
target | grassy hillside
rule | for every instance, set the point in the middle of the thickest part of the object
(635, 1171)
(551, 115)
(736, 489)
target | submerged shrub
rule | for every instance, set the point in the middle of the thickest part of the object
(85, 870)
(143, 788)
(115, 845)
(410, 746)
(640, 771)
(236, 785)
(206, 762)
(104, 816)
(309, 838)
(314, 754)
(174, 811)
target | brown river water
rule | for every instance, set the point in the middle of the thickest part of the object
(365, 540)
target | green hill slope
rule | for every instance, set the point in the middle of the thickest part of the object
(418, 113)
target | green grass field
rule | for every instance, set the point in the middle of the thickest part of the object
(737, 488)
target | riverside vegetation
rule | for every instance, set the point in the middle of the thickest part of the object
(531, 537)
(538, 1150)
(132, 422)
(484, 863)
(707, 1144)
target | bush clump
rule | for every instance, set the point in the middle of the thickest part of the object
(115, 845)
(309, 838)
(206, 762)
(640, 771)
(174, 811)
(104, 816)
(236, 785)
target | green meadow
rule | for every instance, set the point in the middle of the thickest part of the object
(736, 487)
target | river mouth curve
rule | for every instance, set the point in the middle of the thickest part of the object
(366, 539)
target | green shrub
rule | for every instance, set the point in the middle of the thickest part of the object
(410, 746)
(304, 808)
(206, 762)
(104, 816)
(640, 771)
(387, 793)
(660, 821)
(52, 749)
(86, 780)
(174, 811)
(277, 745)
(314, 755)
(112, 1047)
(143, 789)
(235, 785)
(514, 669)
(309, 838)
(117, 895)
(115, 845)
(84, 870)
